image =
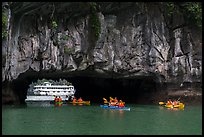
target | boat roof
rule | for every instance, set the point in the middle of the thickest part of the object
(51, 85)
(46, 83)
(54, 86)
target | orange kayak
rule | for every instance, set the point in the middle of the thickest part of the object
(83, 102)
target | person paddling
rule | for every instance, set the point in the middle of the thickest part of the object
(121, 104)
(175, 102)
(110, 103)
(74, 100)
(56, 99)
(169, 102)
(115, 101)
(80, 100)
(59, 99)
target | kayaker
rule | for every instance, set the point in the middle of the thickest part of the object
(74, 100)
(80, 99)
(111, 103)
(169, 102)
(121, 104)
(175, 102)
(59, 99)
(56, 99)
(115, 102)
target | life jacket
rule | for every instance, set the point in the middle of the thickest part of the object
(175, 103)
(80, 100)
(169, 102)
(60, 99)
(121, 104)
(74, 100)
(56, 99)
(115, 100)
(113, 104)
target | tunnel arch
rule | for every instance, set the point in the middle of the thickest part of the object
(136, 89)
(90, 86)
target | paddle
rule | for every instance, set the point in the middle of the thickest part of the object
(105, 100)
(178, 98)
(181, 105)
(111, 98)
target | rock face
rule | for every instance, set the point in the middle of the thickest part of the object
(134, 40)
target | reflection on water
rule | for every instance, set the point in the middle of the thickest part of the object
(39, 104)
(47, 119)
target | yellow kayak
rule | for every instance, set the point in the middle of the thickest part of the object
(180, 105)
(83, 102)
(161, 103)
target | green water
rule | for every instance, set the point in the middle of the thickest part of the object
(93, 120)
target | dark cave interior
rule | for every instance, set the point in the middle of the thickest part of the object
(131, 90)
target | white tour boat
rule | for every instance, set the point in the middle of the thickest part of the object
(47, 92)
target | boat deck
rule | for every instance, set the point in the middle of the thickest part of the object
(41, 98)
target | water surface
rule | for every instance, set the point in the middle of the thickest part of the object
(46, 119)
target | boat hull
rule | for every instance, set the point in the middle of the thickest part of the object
(35, 98)
(115, 107)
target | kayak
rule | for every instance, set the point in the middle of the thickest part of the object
(180, 105)
(58, 103)
(115, 107)
(53, 102)
(83, 102)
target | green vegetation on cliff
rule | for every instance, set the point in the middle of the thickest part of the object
(4, 24)
(192, 11)
(94, 20)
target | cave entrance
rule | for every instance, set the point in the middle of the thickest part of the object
(131, 90)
